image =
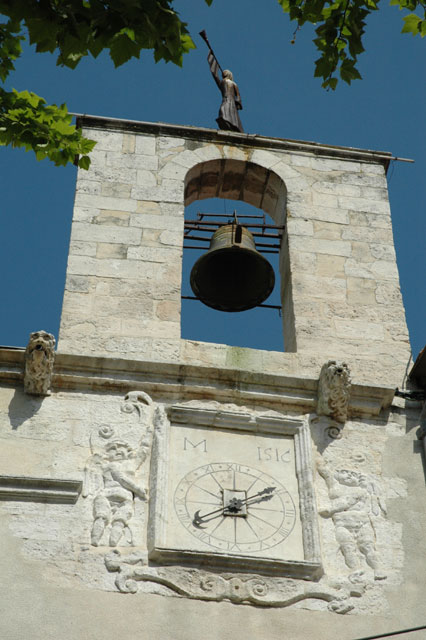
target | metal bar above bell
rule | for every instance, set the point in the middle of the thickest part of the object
(276, 236)
(258, 244)
(225, 215)
(260, 250)
(220, 224)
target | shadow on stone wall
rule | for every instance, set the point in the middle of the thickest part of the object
(22, 407)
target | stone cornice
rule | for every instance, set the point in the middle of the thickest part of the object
(230, 137)
(171, 380)
(39, 489)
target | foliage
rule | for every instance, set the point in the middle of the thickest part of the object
(26, 121)
(77, 28)
(341, 25)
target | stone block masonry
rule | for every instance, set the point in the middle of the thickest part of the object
(93, 478)
(339, 278)
(117, 456)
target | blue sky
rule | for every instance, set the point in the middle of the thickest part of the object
(384, 111)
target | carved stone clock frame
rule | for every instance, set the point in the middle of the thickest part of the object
(167, 544)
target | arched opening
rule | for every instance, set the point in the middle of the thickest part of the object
(238, 180)
(249, 189)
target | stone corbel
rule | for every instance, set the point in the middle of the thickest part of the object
(334, 389)
(39, 358)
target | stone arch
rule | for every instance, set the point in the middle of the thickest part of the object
(238, 180)
(264, 189)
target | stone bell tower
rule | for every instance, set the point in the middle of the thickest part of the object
(339, 279)
(160, 486)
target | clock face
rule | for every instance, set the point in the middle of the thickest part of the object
(227, 490)
(234, 508)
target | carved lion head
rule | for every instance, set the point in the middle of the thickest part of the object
(41, 344)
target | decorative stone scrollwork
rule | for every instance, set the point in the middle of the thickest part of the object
(112, 471)
(39, 358)
(106, 431)
(355, 506)
(334, 431)
(239, 589)
(135, 402)
(234, 589)
(333, 391)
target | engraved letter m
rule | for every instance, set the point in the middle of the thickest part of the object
(194, 446)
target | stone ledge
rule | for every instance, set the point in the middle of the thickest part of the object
(281, 392)
(39, 489)
(303, 570)
(181, 414)
(239, 139)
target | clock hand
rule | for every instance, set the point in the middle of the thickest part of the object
(254, 499)
(266, 493)
(198, 520)
(234, 506)
(236, 503)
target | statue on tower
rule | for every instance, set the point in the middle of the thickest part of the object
(231, 100)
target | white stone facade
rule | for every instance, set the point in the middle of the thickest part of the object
(58, 479)
(168, 488)
(339, 277)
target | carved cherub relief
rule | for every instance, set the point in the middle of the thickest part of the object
(354, 506)
(113, 500)
(39, 358)
(111, 473)
(334, 390)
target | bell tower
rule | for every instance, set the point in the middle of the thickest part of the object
(154, 486)
(338, 274)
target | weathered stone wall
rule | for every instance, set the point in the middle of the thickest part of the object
(158, 487)
(339, 275)
(59, 573)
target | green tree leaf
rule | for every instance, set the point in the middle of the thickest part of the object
(340, 28)
(330, 83)
(348, 72)
(27, 121)
(412, 24)
(74, 29)
(10, 46)
(84, 162)
(123, 48)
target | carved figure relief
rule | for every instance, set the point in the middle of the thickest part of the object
(354, 506)
(39, 358)
(334, 390)
(345, 577)
(111, 474)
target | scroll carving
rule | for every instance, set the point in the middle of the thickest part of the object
(333, 391)
(112, 471)
(135, 402)
(239, 589)
(355, 505)
(39, 358)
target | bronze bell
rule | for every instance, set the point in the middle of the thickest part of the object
(232, 275)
